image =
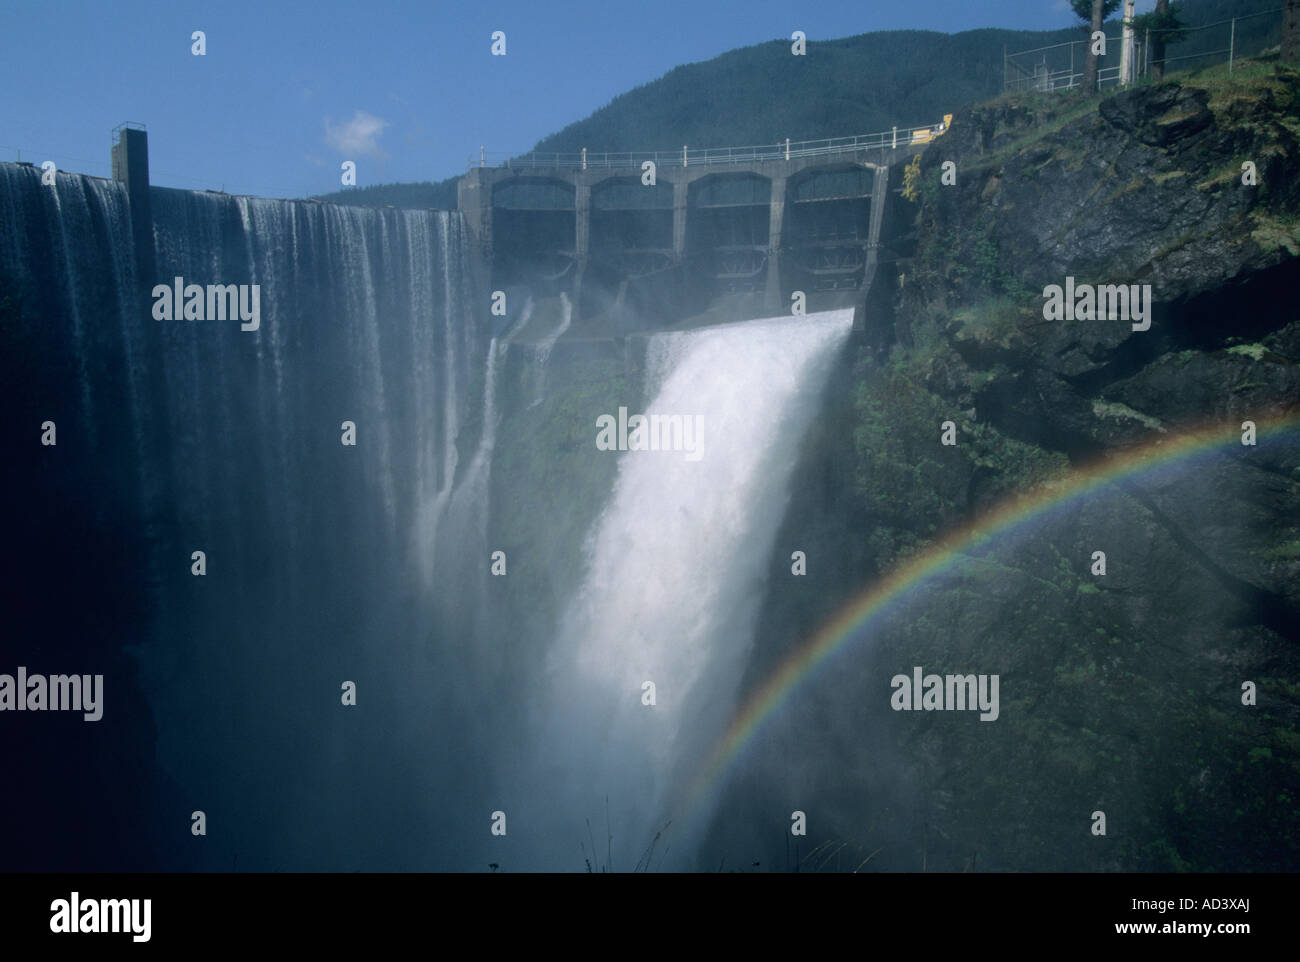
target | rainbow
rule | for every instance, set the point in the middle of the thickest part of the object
(849, 624)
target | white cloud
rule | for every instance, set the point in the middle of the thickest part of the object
(358, 137)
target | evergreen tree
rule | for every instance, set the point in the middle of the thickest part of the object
(1164, 27)
(1093, 12)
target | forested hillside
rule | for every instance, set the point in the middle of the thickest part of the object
(762, 94)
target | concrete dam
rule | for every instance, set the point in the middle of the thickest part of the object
(605, 247)
(348, 461)
(637, 242)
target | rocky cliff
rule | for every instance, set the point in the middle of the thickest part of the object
(1121, 693)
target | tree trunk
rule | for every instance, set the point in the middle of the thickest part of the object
(1158, 45)
(1291, 31)
(1090, 62)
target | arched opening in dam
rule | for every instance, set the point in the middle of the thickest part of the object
(535, 232)
(728, 230)
(827, 227)
(631, 226)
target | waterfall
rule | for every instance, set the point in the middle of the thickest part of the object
(675, 571)
(363, 323)
(524, 317)
(474, 488)
(66, 250)
(327, 562)
(467, 505)
(237, 453)
(546, 345)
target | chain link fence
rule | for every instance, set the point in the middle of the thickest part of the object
(1060, 66)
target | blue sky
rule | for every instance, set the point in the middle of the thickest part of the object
(287, 91)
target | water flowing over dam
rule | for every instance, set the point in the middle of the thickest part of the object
(674, 577)
(857, 452)
(325, 561)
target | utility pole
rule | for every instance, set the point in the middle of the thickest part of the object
(1127, 52)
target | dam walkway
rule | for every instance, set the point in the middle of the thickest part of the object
(885, 140)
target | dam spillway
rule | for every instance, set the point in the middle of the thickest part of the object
(631, 252)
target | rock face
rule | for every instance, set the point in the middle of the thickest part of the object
(1145, 186)
(1120, 693)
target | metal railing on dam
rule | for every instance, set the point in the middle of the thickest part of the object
(702, 156)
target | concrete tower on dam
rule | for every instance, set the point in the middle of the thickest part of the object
(130, 166)
(638, 244)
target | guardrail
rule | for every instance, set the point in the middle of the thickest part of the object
(700, 156)
(1066, 79)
